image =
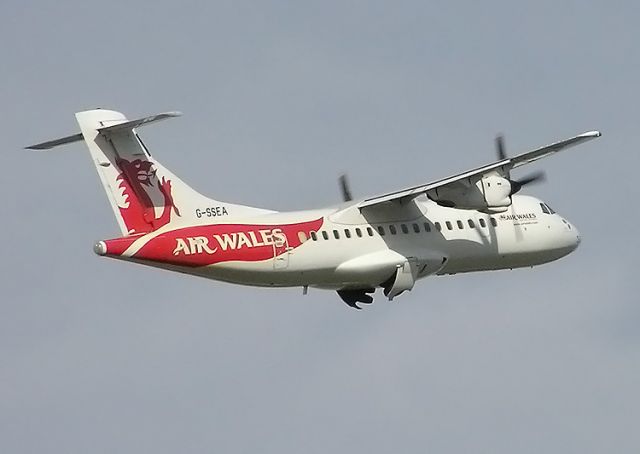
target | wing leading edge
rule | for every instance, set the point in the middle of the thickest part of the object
(504, 165)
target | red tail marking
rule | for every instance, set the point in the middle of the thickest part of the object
(141, 186)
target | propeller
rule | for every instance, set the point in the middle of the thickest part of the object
(537, 177)
(344, 188)
(516, 185)
(500, 147)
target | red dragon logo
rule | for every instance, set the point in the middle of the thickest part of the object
(143, 192)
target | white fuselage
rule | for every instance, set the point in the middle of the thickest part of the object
(354, 249)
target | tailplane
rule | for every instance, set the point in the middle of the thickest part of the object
(144, 195)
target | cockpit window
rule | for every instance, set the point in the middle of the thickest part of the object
(544, 208)
(550, 209)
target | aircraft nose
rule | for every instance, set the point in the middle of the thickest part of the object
(574, 235)
(577, 237)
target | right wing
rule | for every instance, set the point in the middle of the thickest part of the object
(471, 176)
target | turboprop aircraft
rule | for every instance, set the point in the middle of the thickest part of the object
(472, 221)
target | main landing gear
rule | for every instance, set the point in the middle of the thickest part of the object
(351, 297)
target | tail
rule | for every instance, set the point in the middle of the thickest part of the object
(143, 194)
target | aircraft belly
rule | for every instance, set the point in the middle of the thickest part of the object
(364, 265)
(312, 264)
(259, 274)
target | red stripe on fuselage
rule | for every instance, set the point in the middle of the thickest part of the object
(209, 244)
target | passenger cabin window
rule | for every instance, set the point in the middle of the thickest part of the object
(471, 224)
(416, 228)
(369, 231)
(449, 226)
(483, 224)
(325, 235)
(347, 233)
(381, 230)
(438, 227)
(314, 236)
(494, 222)
(392, 229)
(460, 225)
(427, 227)
(336, 234)
(404, 228)
(358, 232)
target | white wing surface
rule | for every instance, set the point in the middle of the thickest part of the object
(503, 166)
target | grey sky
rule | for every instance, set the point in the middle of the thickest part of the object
(279, 98)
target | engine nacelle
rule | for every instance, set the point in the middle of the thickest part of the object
(496, 190)
(491, 193)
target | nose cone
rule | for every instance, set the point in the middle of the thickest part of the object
(576, 238)
(572, 236)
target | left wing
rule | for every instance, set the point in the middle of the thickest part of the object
(503, 166)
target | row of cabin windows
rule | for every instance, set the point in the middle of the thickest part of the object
(336, 233)
(403, 227)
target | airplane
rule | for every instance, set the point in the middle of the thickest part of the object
(472, 221)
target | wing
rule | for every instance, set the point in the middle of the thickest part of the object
(504, 166)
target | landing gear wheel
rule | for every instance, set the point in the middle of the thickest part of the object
(351, 297)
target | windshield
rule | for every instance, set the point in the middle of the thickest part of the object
(546, 208)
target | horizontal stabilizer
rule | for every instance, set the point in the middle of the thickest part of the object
(56, 142)
(139, 122)
(124, 126)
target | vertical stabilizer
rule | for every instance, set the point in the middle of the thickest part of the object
(143, 194)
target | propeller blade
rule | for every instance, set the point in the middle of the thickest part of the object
(537, 177)
(533, 178)
(500, 150)
(344, 188)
